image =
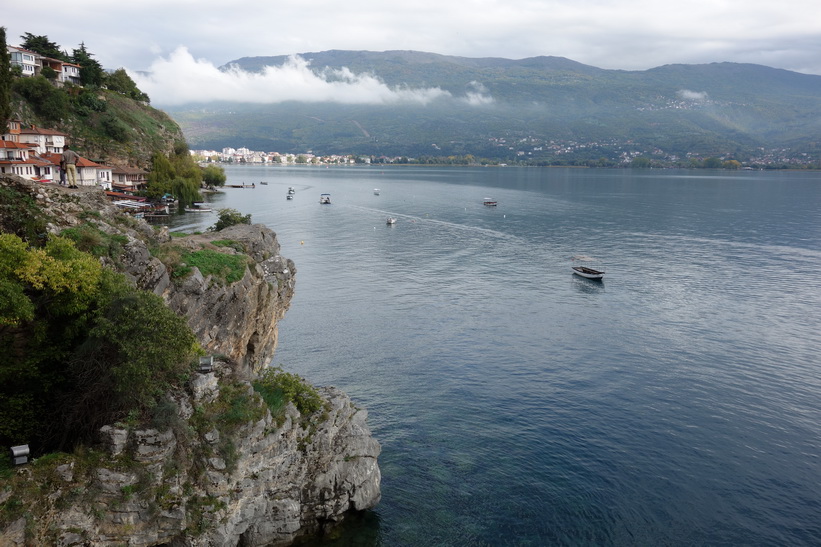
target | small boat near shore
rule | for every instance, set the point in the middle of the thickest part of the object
(198, 207)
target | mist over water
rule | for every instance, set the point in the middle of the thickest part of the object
(677, 402)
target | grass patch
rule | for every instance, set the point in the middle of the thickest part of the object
(230, 243)
(229, 268)
(277, 388)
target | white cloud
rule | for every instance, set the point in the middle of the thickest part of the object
(180, 79)
(688, 95)
(477, 94)
(628, 35)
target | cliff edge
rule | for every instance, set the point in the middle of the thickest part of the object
(223, 468)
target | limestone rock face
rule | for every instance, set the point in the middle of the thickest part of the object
(288, 481)
(237, 320)
(265, 483)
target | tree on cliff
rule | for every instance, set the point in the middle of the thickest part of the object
(5, 82)
(43, 46)
(121, 82)
(91, 71)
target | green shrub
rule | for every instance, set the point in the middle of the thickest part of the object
(229, 217)
(20, 215)
(91, 240)
(278, 388)
(116, 129)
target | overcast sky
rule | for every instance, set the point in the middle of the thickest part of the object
(183, 41)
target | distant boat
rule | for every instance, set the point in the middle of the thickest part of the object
(325, 199)
(588, 273)
(391, 221)
(584, 271)
(263, 182)
(291, 190)
(243, 185)
(376, 191)
(289, 196)
(489, 202)
(196, 208)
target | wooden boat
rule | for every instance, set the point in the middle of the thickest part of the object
(588, 273)
(325, 199)
(391, 221)
(198, 207)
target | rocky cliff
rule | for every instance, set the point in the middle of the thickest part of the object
(212, 475)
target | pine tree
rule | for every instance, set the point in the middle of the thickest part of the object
(5, 82)
(91, 71)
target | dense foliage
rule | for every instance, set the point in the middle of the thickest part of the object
(213, 175)
(83, 346)
(177, 174)
(121, 82)
(229, 217)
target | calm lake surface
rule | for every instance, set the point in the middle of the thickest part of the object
(677, 402)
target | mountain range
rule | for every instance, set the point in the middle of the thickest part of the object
(540, 110)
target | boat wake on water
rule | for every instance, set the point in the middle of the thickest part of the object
(444, 223)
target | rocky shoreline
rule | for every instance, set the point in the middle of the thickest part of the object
(194, 483)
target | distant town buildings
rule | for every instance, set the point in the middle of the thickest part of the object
(244, 155)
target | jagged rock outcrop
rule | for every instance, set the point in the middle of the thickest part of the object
(238, 320)
(198, 482)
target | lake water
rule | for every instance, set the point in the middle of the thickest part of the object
(677, 402)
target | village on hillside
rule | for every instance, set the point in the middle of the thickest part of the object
(34, 152)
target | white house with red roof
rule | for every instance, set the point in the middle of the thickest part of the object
(15, 158)
(45, 140)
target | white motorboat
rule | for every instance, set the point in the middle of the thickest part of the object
(325, 199)
(391, 221)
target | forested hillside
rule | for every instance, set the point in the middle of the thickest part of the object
(543, 109)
